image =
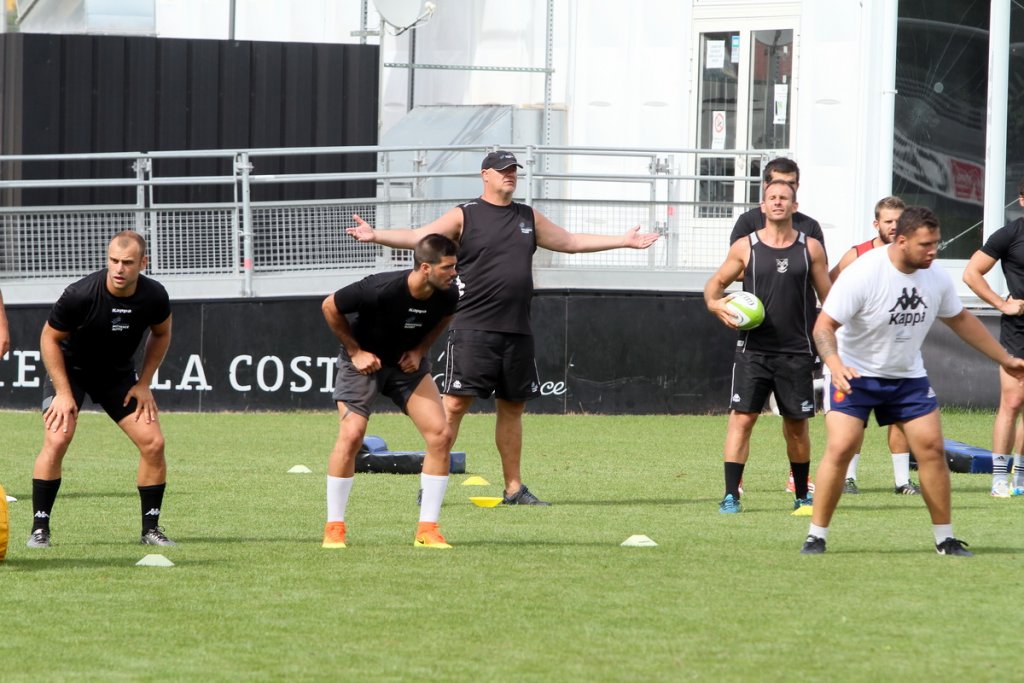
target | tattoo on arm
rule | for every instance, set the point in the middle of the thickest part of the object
(826, 344)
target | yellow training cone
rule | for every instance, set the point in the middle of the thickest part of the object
(476, 481)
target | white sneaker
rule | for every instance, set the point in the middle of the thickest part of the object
(1001, 489)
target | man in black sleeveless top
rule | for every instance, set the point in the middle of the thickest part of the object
(395, 317)
(88, 346)
(784, 268)
(490, 344)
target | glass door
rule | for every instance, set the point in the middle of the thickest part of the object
(744, 103)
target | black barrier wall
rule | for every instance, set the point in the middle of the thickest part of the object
(615, 353)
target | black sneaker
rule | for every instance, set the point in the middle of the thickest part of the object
(953, 546)
(39, 538)
(522, 497)
(813, 546)
(850, 486)
(155, 537)
(908, 489)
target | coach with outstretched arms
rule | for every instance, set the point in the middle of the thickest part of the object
(490, 345)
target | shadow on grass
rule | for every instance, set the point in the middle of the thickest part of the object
(616, 501)
(99, 494)
(41, 563)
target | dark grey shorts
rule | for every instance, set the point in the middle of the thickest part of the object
(358, 391)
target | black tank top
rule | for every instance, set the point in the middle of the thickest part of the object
(495, 267)
(781, 279)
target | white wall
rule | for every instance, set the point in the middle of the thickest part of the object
(314, 21)
(622, 73)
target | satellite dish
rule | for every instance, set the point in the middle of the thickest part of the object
(404, 14)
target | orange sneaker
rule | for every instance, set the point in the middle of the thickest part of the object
(334, 535)
(791, 485)
(429, 536)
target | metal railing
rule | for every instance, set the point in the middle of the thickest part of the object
(216, 232)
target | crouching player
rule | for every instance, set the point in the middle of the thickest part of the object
(395, 317)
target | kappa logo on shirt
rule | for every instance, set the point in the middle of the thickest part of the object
(782, 264)
(117, 324)
(908, 305)
(525, 227)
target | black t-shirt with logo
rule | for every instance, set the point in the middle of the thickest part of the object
(105, 329)
(1006, 245)
(495, 267)
(386, 319)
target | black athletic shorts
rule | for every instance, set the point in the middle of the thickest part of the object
(107, 389)
(790, 376)
(481, 363)
(1011, 335)
(358, 391)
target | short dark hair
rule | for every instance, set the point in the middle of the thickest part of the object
(914, 217)
(131, 236)
(1020, 188)
(780, 165)
(892, 203)
(767, 186)
(432, 248)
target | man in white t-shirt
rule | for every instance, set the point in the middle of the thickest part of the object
(869, 334)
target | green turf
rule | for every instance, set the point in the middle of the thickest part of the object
(527, 593)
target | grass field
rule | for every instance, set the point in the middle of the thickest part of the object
(528, 594)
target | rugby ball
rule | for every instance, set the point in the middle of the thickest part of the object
(746, 309)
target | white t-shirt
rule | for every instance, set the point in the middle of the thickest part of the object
(886, 314)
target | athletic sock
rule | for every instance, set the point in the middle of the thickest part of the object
(998, 468)
(800, 472)
(1018, 472)
(433, 495)
(733, 475)
(851, 469)
(152, 498)
(819, 531)
(44, 493)
(942, 532)
(901, 468)
(338, 489)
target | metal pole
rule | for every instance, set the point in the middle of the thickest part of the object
(363, 16)
(548, 59)
(887, 101)
(243, 165)
(141, 167)
(231, 20)
(411, 96)
(995, 128)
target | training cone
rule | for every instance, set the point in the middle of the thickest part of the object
(5, 528)
(299, 469)
(476, 481)
(154, 561)
(638, 541)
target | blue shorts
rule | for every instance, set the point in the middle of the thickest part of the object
(893, 400)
